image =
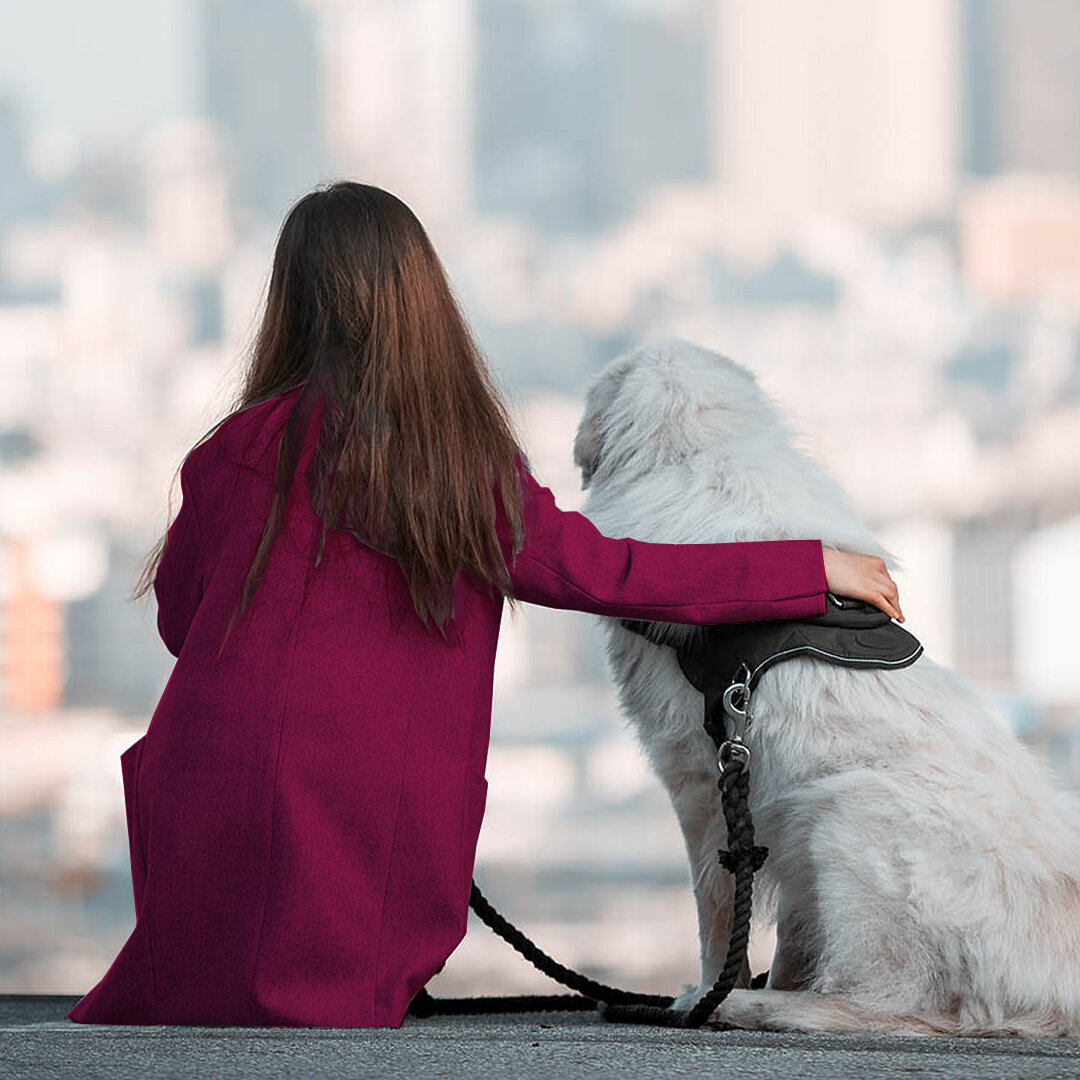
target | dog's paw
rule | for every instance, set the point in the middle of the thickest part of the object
(735, 1011)
(687, 999)
(740, 1009)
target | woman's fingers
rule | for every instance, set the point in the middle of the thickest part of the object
(888, 597)
(888, 606)
(863, 576)
(879, 599)
(892, 594)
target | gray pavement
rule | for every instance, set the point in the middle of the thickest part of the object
(37, 1040)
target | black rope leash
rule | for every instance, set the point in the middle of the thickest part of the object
(742, 859)
(589, 991)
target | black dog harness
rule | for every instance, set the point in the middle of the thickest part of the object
(726, 661)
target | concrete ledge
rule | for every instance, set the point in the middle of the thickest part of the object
(37, 1040)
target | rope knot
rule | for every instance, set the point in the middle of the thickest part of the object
(742, 857)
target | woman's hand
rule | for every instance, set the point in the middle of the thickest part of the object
(864, 577)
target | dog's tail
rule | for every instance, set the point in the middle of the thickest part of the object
(809, 1010)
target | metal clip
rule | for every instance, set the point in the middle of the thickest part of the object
(736, 703)
(735, 710)
(733, 747)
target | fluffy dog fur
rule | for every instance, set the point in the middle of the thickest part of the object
(924, 866)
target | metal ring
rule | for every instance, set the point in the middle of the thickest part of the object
(733, 746)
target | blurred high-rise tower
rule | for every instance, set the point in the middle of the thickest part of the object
(14, 183)
(398, 99)
(1021, 80)
(583, 107)
(837, 106)
(260, 85)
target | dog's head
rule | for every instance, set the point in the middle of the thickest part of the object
(680, 444)
(662, 401)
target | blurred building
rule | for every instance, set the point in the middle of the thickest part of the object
(398, 99)
(28, 184)
(32, 657)
(14, 178)
(186, 197)
(1020, 237)
(1020, 64)
(1045, 659)
(837, 106)
(588, 130)
(261, 86)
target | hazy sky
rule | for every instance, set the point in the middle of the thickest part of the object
(97, 67)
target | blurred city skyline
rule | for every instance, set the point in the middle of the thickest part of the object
(874, 205)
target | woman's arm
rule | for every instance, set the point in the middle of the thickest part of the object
(568, 563)
(178, 584)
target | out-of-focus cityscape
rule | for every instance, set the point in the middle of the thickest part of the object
(874, 205)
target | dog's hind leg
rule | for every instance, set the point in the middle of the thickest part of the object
(798, 934)
(792, 966)
(808, 1010)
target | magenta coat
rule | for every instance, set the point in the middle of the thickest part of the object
(303, 816)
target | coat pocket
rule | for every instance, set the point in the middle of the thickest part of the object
(130, 760)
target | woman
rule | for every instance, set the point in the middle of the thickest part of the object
(304, 807)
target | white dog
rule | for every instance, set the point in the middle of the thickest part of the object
(924, 867)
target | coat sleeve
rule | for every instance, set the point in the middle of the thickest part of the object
(178, 584)
(566, 562)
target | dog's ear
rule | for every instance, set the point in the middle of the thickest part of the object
(601, 395)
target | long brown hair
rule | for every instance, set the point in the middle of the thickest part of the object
(414, 431)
